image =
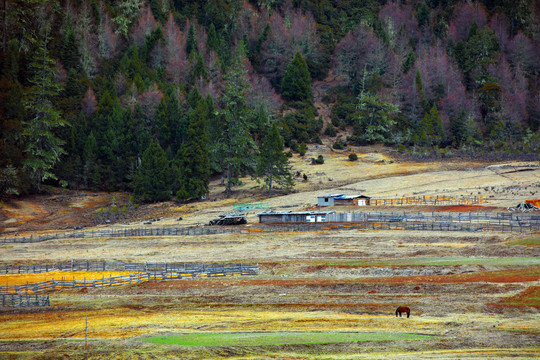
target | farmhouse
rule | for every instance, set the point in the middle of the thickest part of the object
(343, 200)
(267, 217)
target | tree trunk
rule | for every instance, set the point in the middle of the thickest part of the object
(229, 175)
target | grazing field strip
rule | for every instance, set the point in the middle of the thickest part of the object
(277, 338)
(457, 354)
(441, 261)
(497, 277)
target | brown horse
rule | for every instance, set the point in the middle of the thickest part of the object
(403, 309)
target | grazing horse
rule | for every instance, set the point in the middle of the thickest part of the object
(403, 309)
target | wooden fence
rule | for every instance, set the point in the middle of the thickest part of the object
(113, 281)
(108, 233)
(121, 266)
(14, 300)
(506, 222)
(427, 200)
(433, 221)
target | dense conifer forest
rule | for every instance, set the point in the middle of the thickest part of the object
(158, 96)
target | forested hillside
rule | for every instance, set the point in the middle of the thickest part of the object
(158, 96)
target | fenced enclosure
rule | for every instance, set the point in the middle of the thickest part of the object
(428, 200)
(452, 221)
(14, 300)
(433, 221)
(438, 221)
(134, 267)
(153, 272)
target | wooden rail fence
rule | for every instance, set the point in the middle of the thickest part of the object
(113, 281)
(433, 221)
(119, 266)
(505, 222)
(14, 300)
(427, 200)
(108, 233)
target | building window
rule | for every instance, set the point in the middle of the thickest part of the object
(325, 199)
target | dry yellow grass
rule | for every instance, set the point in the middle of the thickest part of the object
(126, 322)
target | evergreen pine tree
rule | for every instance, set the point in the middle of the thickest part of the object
(69, 51)
(10, 61)
(408, 62)
(296, 82)
(193, 161)
(79, 131)
(457, 124)
(236, 143)
(11, 156)
(420, 91)
(431, 130)
(375, 118)
(212, 41)
(193, 98)
(199, 71)
(91, 174)
(191, 42)
(43, 147)
(272, 164)
(422, 15)
(153, 179)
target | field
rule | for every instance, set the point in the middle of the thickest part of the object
(319, 295)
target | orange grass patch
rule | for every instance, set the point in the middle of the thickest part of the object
(530, 297)
(23, 279)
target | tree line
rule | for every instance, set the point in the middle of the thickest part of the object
(159, 96)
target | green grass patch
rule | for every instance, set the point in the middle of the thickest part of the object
(532, 241)
(276, 338)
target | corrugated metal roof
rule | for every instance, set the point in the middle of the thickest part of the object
(346, 197)
(296, 213)
(272, 212)
(329, 196)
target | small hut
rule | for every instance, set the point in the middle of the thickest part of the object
(342, 200)
(326, 200)
(351, 200)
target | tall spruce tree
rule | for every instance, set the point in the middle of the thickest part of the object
(191, 42)
(375, 118)
(69, 51)
(272, 163)
(153, 180)
(193, 161)
(42, 146)
(91, 174)
(236, 143)
(431, 129)
(296, 82)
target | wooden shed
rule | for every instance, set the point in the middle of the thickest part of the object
(351, 200)
(268, 217)
(326, 200)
